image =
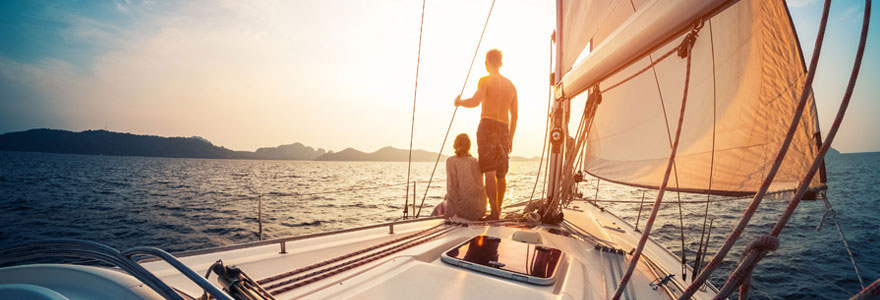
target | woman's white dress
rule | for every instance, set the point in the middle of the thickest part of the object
(465, 196)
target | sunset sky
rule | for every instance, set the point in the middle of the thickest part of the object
(330, 74)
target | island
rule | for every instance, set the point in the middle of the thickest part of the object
(103, 142)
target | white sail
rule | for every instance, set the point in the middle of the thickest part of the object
(589, 21)
(746, 78)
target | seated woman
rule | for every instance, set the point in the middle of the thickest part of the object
(465, 195)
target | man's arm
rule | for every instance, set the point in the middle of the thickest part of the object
(513, 117)
(474, 101)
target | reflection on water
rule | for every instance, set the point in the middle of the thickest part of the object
(180, 204)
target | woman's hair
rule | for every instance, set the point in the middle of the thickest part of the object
(462, 145)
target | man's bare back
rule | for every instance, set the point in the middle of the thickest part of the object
(498, 98)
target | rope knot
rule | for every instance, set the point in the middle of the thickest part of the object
(765, 244)
(688, 42)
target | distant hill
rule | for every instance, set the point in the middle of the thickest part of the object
(832, 152)
(295, 151)
(103, 142)
(384, 154)
(391, 154)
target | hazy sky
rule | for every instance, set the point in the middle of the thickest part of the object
(331, 74)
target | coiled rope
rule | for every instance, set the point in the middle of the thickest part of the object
(449, 128)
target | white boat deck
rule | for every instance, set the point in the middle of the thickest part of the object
(417, 272)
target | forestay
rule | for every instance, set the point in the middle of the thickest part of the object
(747, 75)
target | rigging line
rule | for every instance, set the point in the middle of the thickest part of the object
(584, 146)
(588, 125)
(412, 129)
(566, 180)
(699, 259)
(678, 195)
(759, 196)
(639, 72)
(546, 174)
(674, 170)
(580, 131)
(845, 244)
(687, 46)
(449, 128)
(581, 151)
(823, 278)
(546, 127)
(566, 177)
(753, 257)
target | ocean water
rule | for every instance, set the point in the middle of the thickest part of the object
(181, 204)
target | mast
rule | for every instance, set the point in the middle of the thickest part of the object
(558, 133)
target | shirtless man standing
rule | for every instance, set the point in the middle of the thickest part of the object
(495, 133)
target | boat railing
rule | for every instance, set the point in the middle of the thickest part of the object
(104, 253)
(282, 242)
(406, 205)
(133, 254)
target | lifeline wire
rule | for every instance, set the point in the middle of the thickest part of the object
(412, 129)
(448, 129)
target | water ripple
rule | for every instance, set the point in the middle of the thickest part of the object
(183, 204)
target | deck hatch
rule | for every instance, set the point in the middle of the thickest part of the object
(507, 258)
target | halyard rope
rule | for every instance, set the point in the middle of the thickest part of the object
(686, 47)
(698, 259)
(756, 201)
(748, 263)
(448, 129)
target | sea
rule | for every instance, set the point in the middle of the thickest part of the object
(182, 204)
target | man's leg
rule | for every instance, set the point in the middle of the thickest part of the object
(491, 189)
(502, 187)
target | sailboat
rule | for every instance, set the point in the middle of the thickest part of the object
(695, 96)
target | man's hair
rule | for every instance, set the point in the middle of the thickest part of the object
(493, 57)
(462, 145)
